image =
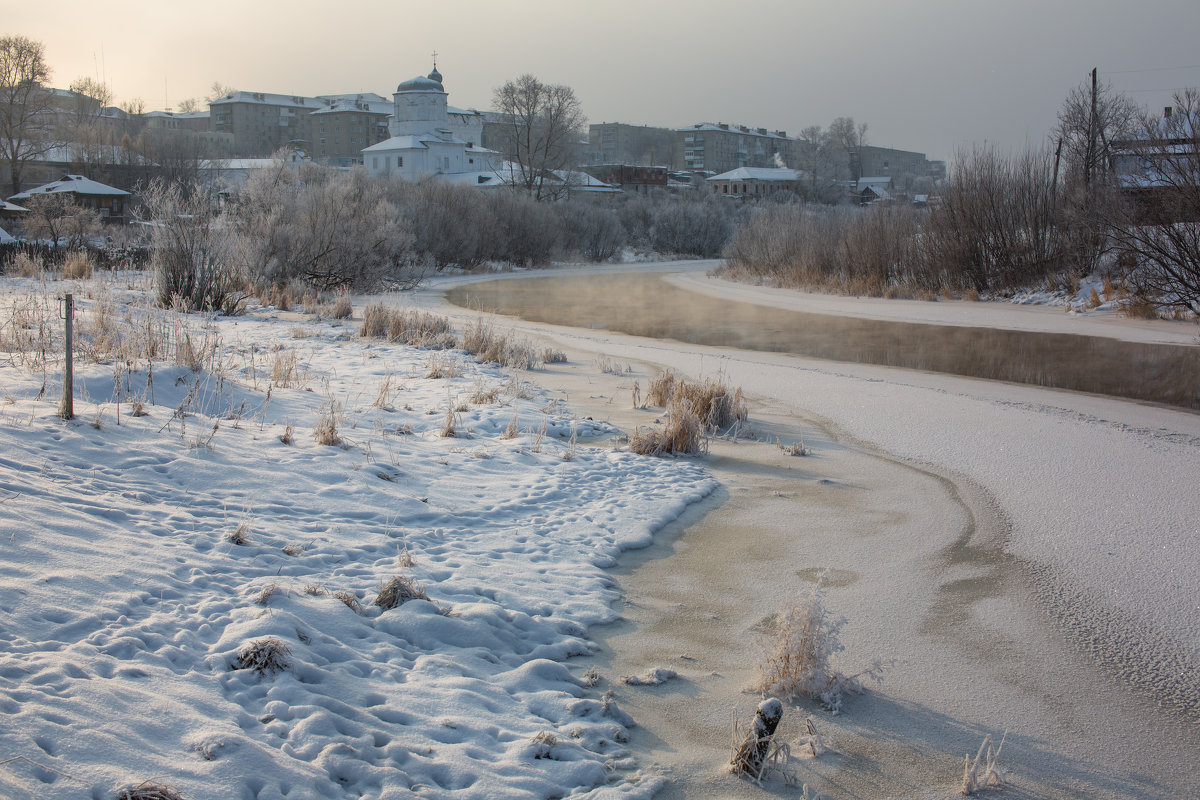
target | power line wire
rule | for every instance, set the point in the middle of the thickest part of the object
(1148, 69)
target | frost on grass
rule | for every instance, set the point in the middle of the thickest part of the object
(983, 772)
(265, 656)
(798, 662)
(150, 790)
(398, 591)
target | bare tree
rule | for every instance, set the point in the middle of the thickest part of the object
(219, 90)
(25, 105)
(55, 217)
(848, 134)
(543, 123)
(825, 163)
(1092, 118)
(1158, 233)
(188, 105)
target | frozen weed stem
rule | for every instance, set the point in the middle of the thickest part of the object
(798, 662)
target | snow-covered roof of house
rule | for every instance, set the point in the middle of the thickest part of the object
(410, 143)
(11, 208)
(742, 129)
(359, 97)
(92, 154)
(268, 99)
(882, 182)
(6, 237)
(74, 184)
(177, 114)
(384, 107)
(758, 174)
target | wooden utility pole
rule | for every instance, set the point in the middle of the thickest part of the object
(66, 406)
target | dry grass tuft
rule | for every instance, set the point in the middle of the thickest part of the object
(794, 449)
(286, 437)
(265, 656)
(315, 590)
(28, 267)
(513, 429)
(284, 368)
(683, 433)
(328, 419)
(77, 265)
(440, 365)
(148, 790)
(552, 356)
(484, 396)
(268, 591)
(411, 327)
(293, 549)
(450, 423)
(504, 349)
(239, 535)
(398, 591)
(341, 308)
(350, 601)
(1140, 308)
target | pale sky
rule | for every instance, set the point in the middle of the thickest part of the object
(933, 76)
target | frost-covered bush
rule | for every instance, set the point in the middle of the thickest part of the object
(799, 660)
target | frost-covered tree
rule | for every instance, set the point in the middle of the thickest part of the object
(542, 124)
(24, 102)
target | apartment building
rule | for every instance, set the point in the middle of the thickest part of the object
(636, 145)
(262, 123)
(902, 166)
(346, 126)
(721, 147)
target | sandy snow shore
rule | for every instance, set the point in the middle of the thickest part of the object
(1025, 558)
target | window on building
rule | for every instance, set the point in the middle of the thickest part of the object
(399, 161)
(374, 162)
(446, 163)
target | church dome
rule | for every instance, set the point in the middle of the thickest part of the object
(422, 84)
(435, 75)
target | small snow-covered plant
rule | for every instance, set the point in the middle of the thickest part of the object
(293, 549)
(552, 356)
(450, 423)
(240, 535)
(398, 591)
(268, 591)
(543, 743)
(755, 751)
(286, 437)
(591, 677)
(341, 307)
(982, 773)
(794, 449)
(328, 418)
(350, 601)
(149, 790)
(798, 662)
(513, 429)
(265, 656)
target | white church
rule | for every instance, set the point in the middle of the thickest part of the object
(431, 138)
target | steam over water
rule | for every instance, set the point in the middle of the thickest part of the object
(646, 305)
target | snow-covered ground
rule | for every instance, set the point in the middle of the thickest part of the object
(125, 602)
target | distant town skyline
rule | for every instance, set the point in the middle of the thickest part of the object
(935, 76)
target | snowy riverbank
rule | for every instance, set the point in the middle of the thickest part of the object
(143, 553)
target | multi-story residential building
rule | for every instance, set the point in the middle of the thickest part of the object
(902, 166)
(263, 123)
(636, 145)
(346, 125)
(720, 147)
